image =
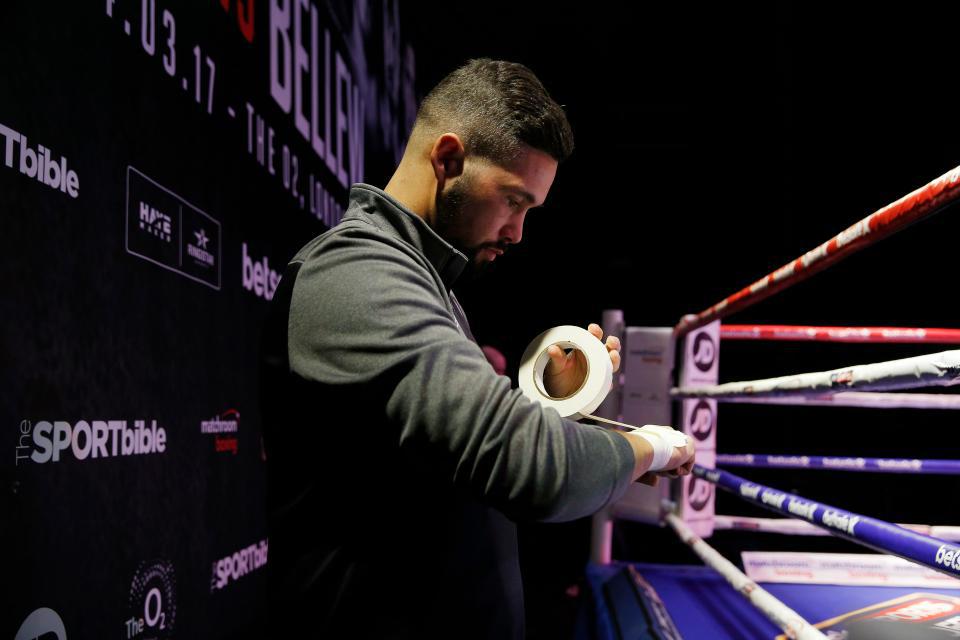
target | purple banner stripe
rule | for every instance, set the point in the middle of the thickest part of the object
(841, 463)
(870, 532)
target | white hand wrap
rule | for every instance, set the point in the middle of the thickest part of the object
(663, 440)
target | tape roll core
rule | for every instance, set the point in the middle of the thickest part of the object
(595, 385)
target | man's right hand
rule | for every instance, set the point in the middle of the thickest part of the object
(680, 463)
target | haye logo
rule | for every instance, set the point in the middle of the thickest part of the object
(701, 421)
(704, 351)
(42, 623)
(698, 493)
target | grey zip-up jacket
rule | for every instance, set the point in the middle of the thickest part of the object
(397, 459)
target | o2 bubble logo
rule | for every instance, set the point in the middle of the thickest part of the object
(704, 351)
(152, 603)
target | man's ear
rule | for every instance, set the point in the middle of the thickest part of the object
(446, 157)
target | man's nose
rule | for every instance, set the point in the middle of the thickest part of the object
(513, 230)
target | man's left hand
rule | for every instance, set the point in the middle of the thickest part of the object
(566, 371)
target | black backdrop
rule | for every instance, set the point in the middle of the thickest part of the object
(712, 146)
(115, 309)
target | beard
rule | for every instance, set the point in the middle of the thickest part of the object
(451, 221)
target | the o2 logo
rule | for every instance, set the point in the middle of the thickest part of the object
(700, 424)
(698, 493)
(152, 604)
(704, 351)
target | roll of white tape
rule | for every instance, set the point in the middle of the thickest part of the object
(595, 385)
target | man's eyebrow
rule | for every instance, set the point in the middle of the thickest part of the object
(526, 195)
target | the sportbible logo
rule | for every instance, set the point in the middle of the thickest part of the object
(237, 565)
(224, 429)
(51, 441)
(152, 603)
(258, 277)
(39, 164)
(168, 231)
(704, 351)
(42, 624)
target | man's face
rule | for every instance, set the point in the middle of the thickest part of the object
(482, 211)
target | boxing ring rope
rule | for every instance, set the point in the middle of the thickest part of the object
(917, 205)
(863, 385)
(936, 369)
(865, 399)
(876, 534)
(790, 526)
(780, 614)
(841, 463)
(801, 333)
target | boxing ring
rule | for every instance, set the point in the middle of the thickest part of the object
(906, 586)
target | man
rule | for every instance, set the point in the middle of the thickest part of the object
(397, 459)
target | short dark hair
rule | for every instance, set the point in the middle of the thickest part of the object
(495, 107)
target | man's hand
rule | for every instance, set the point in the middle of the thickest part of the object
(680, 464)
(566, 371)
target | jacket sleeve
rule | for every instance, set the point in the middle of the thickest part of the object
(364, 312)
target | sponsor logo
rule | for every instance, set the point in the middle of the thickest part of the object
(844, 378)
(701, 420)
(698, 493)
(165, 229)
(704, 351)
(155, 222)
(152, 602)
(950, 624)
(238, 564)
(844, 463)
(773, 498)
(258, 277)
(789, 461)
(39, 164)
(912, 465)
(920, 611)
(224, 428)
(801, 508)
(948, 556)
(198, 249)
(50, 441)
(750, 491)
(41, 623)
(841, 522)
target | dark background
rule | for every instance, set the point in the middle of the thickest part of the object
(713, 145)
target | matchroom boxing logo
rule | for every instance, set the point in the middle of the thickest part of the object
(50, 441)
(224, 428)
(39, 164)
